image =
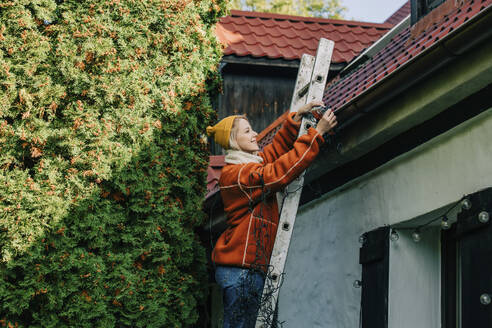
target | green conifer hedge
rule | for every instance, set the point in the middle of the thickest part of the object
(103, 105)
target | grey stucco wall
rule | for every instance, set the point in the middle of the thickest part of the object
(414, 280)
(324, 250)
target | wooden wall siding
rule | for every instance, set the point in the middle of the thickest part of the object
(262, 93)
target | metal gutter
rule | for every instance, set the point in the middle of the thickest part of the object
(392, 105)
(466, 36)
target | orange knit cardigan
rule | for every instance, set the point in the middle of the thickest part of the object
(248, 193)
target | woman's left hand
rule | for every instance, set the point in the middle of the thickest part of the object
(306, 108)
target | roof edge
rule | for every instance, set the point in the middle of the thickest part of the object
(257, 14)
(273, 62)
(378, 44)
(260, 61)
(400, 12)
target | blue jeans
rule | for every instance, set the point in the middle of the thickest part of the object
(241, 294)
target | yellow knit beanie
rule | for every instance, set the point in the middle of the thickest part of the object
(222, 131)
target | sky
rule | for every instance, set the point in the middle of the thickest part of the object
(375, 11)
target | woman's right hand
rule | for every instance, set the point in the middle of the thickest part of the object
(327, 122)
(305, 109)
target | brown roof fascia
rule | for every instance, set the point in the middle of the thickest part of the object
(260, 61)
(273, 62)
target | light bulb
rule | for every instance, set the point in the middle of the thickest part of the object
(483, 217)
(485, 299)
(466, 204)
(362, 239)
(416, 236)
(445, 225)
(357, 283)
(394, 235)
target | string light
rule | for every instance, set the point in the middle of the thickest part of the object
(483, 217)
(485, 299)
(362, 239)
(416, 235)
(445, 224)
(394, 236)
(466, 204)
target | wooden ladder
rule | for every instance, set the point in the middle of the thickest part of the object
(310, 85)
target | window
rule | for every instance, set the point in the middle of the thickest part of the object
(420, 8)
(443, 279)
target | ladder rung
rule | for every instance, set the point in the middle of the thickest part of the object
(303, 91)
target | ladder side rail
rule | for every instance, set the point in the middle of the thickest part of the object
(290, 204)
(302, 80)
(298, 99)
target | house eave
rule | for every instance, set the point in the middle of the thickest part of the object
(272, 62)
(469, 35)
(432, 82)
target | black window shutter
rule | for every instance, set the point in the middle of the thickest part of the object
(448, 277)
(374, 257)
(470, 241)
(475, 247)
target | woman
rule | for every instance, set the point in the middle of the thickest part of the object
(248, 184)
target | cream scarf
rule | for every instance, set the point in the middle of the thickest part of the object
(241, 157)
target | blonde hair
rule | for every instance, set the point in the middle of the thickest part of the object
(233, 136)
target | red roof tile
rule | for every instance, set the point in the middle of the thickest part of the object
(400, 14)
(399, 53)
(281, 36)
